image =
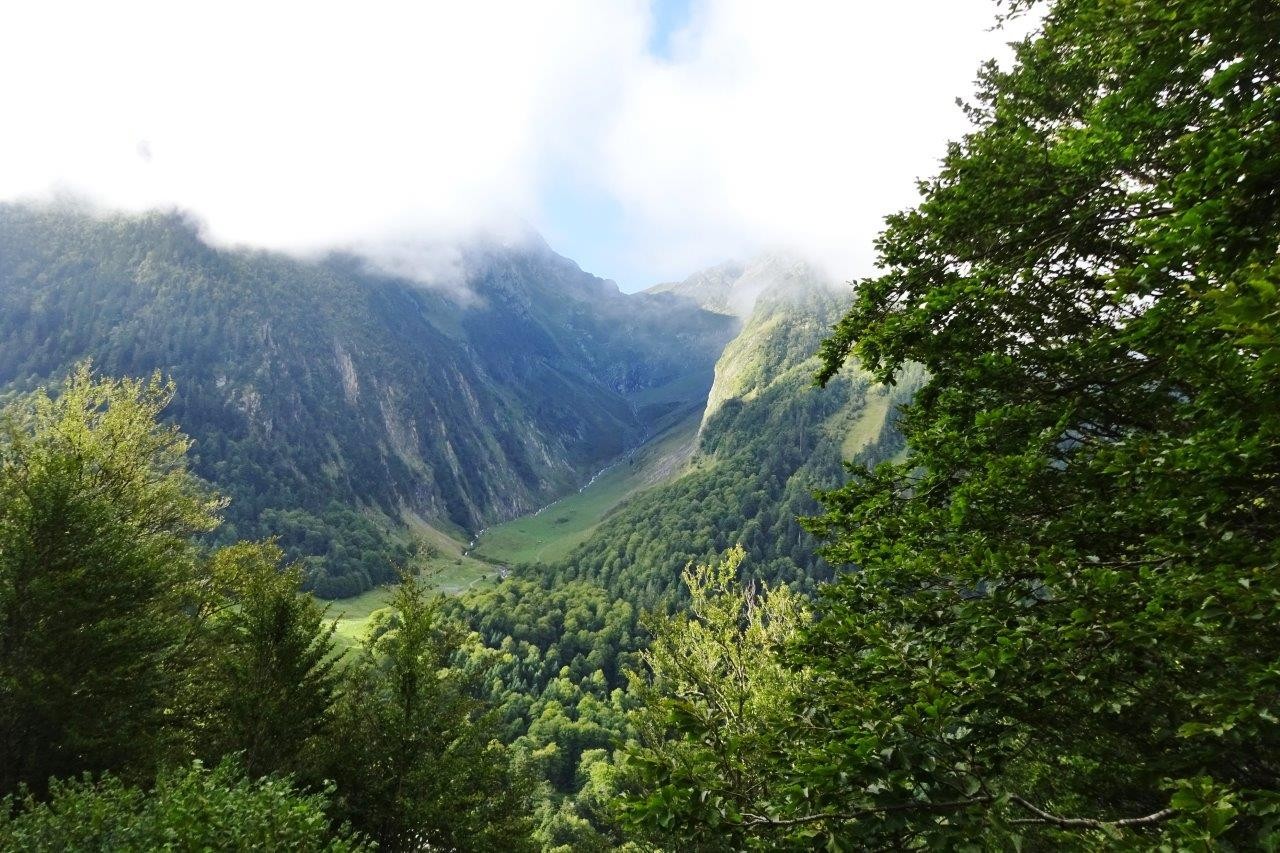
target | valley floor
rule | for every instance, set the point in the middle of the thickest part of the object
(450, 569)
(544, 536)
(553, 531)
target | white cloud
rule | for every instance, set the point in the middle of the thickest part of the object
(799, 124)
(305, 126)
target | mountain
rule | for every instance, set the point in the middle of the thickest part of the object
(788, 307)
(592, 443)
(765, 440)
(333, 402)
(733, 288)
(709, 288)
(567, 624)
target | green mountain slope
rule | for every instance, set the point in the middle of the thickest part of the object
(567, 627)
(767, 439)
(333, 402)
(553, 531)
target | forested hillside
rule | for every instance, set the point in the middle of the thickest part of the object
(552, 646)
(566, 631)
(156, 691)
(769, 439)
(1061, 633)
(331, 402)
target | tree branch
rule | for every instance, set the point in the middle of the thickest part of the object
(761, 820)
(1042, 817)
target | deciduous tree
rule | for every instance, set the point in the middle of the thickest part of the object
(1062, 625)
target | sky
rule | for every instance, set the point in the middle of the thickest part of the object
(645, 139)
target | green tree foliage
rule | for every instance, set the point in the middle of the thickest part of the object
(417, 761)
(552, 661)
(716, 695)
(1064, 627)
(270, 680)
(563, 642)
(562, 637)
(98, 575)
(764, 459)
(129, 647)
(192, 809)
(587, 821)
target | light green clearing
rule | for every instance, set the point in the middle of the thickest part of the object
(449, 571)
(552, 533)
(868, 423)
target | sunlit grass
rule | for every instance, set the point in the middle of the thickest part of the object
(552, 533)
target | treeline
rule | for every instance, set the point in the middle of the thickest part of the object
(158, 692)
(565, 637)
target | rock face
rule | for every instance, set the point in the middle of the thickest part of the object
(322, 395)
(784, 308)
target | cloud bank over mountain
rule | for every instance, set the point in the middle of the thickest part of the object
(311, 126)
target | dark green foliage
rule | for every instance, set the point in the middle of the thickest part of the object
(586, 822)
(327, 400)
(1067, 603)
(555, 668)
(192, 809)
(270, 680)
(127, 648)
(1060, 628)
(98, 577)
(417, 761)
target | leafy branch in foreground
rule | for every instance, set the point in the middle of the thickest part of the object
(715, 694)
(1067, 594)
(191, 808)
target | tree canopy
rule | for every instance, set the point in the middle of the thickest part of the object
(1064, 615)
(131, 650)
(98, 575)
(190, 808)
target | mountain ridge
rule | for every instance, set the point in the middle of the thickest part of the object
(343, 407)
(766, 439)
(329, 399)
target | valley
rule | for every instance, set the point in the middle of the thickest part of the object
(341, 512)
(545, 536)
(551, 533)
(330, 400)
(441, 562)
(548, 453)
(455, 567)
